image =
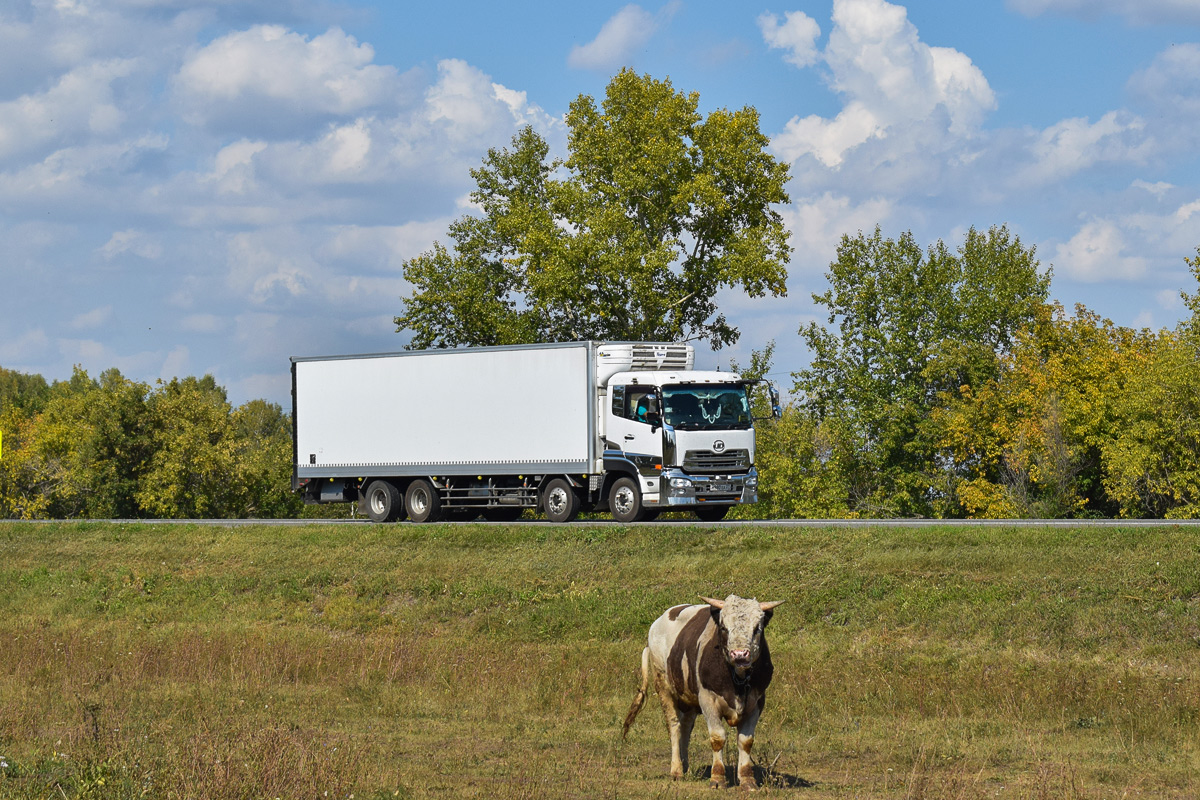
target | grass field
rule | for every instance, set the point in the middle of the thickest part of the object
(474, 661)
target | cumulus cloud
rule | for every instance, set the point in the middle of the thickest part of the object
(620, 38)
(893, 83)
(1075, 144)
(1171, 84)
(1098, 252)
(797, 34)
(267, 77)
(80, 103)
(131, 241)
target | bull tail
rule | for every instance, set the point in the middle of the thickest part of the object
(640, 700)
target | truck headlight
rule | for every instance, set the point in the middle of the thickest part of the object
(751, 482)
(680, 483)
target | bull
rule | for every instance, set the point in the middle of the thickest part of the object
(711, 659)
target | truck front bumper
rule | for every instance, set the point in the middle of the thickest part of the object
(679, 489)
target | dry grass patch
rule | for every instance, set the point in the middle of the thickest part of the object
(463, 661)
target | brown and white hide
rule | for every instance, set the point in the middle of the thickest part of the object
(713, 660)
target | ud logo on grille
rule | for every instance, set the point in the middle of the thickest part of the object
(718, 446)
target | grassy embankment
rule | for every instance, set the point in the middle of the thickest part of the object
(455, 661)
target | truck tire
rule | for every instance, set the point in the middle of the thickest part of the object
(625, 500)
(560, 501)
(422, 501)
(712, 513)
(383, 501)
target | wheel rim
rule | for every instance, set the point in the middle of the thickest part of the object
(420, 501)
(378, 502)
(557, 501)
(624, 500)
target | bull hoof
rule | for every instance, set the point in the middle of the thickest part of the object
(716, 784)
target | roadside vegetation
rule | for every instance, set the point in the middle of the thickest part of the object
(498, 661)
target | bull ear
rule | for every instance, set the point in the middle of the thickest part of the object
(717, 604)
(771, 606)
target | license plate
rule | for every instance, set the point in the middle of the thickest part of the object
(722, 487)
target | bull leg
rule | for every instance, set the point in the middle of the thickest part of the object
(745, 730)
(716, 737)
(687, 720)
(674, 725)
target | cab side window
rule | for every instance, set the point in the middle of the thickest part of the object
(618, 401)
(642, 405)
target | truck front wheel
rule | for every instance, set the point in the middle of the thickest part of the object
(560, 501)
(422, 501)
(383, 501)
(625, 500)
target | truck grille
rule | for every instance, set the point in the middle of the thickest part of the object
(701, 462)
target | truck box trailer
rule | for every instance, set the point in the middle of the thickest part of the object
(625, 427)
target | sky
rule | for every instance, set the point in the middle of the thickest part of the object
(192, 188)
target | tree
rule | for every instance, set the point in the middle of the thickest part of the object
(911, 325)
(190, 472)
(1031, 441)
(655, 210)
(1153, 460)
(26, 392)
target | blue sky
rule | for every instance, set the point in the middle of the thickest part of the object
(212, 187)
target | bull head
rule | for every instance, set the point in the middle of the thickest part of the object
(740, 624)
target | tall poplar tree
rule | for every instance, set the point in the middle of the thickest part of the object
(655, 209)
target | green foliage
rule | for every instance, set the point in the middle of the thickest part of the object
(25, 392)
(115, 448)
(1152, 460)
(654, 211)
(911, 324)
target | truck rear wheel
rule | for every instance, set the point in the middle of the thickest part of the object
(625, 500)
(560, 501)
(383, 501)
(422, 501)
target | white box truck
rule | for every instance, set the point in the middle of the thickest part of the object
(628, 428)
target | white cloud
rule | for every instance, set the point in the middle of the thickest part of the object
(1140, 11)
(1072, 145)
(797, 34)
(80, 103)
(249, 78)
(620, 38)
(828, 140)
(23, 348)
(924, 99)
(1098, 253)
(131, 241)
(818, 223)
(1171, 84)
(95, 318)
(270, 266)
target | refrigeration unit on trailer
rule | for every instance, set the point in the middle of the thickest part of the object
(628, 428)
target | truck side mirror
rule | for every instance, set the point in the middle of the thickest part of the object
(776, 410)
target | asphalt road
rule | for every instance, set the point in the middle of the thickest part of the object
(667, 523)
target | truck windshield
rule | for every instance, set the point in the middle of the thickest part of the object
(700, 406)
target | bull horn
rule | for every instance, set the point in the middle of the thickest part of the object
(769, 606)
(717, 604)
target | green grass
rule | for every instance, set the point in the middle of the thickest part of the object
(462, 660)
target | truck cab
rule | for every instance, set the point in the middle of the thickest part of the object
(683, 437)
